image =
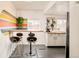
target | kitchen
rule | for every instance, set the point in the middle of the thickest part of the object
(39, 16)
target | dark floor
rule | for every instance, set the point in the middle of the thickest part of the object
(39, 51)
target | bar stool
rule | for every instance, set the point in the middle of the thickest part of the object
(15, 39)
(31, 39)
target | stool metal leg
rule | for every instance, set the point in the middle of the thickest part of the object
(30, 48)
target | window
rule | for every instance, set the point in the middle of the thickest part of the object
(34, 24)
(61, 25)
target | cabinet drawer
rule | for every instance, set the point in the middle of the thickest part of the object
(61, 39)
(60, 42)
(52, 40)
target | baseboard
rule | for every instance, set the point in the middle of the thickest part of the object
(56, 46)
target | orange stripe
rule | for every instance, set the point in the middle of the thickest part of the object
(3, 23)
(24, 24)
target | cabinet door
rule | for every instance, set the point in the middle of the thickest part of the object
(40, 37)
(61, 39)
(51, 40)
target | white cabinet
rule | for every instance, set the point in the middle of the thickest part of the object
(6, 46)
(61, 39)
(56, 40)
(51, 40)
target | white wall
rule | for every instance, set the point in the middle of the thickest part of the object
(6, 47)
(74, 29)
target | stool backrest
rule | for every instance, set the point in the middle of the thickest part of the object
(19, 34)
(31, 34)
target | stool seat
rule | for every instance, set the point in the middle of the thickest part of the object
(19, 34)
(14, 39)
(32, 39)
(17, 38)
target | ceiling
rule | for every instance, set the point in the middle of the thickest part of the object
(30, 5)
(59, 8)
(48, 7)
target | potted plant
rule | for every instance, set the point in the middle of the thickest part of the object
(20, 22)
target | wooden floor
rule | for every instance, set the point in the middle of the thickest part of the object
(39, 51)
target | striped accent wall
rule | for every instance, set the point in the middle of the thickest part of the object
(7, 21)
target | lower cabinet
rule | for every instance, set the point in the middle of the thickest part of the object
(51, 40)
(56, 40)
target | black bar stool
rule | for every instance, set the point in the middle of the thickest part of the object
(15, 39)
(31, 39)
